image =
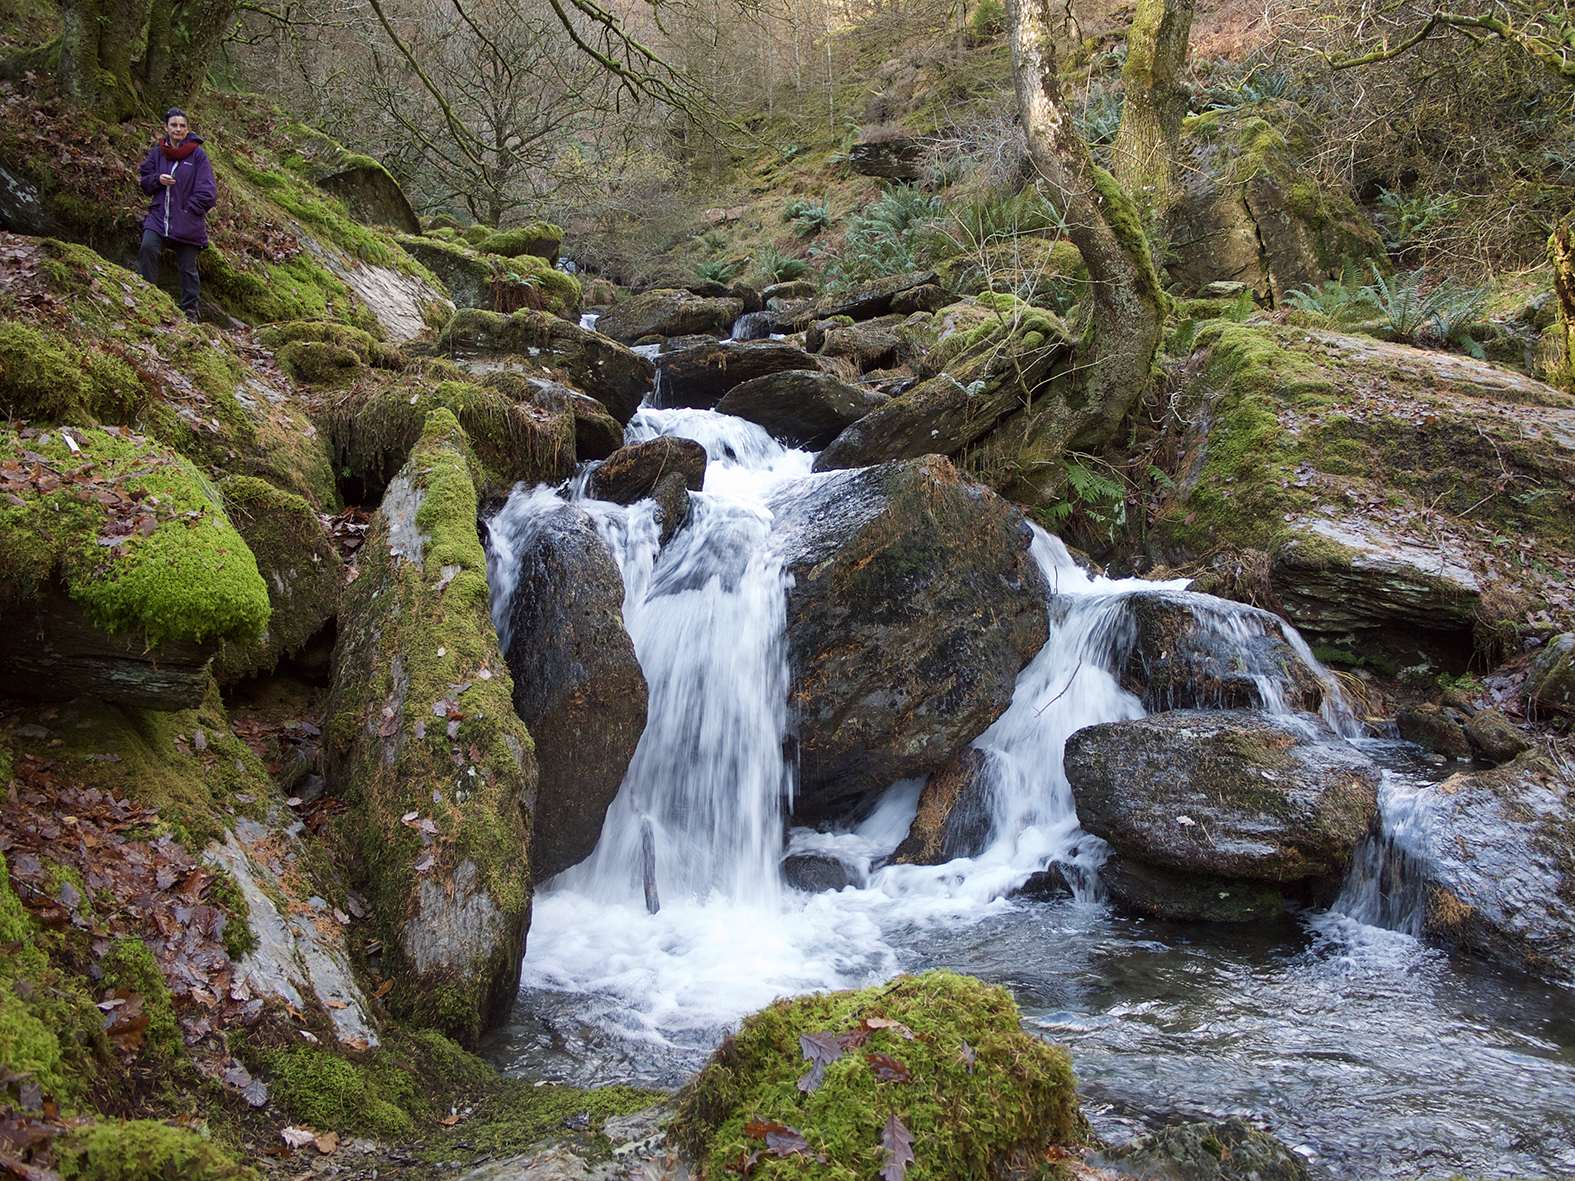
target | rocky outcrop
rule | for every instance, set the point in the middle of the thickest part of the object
(632, 473)
(669, 312)
(426, 749)
(896, 158)
(1189, 651)
(865, 302)
(914, 605)
(1500, 866)
(614, 375)
(370, 194)
(864, 346)
(1217, 799)
(701, 375)
(577, 683)
(1550, 682)
(800, 407)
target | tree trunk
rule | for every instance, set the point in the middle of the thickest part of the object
(96, 39)
(1561, 251)
(1116, 354)
(183, 37)
(1144, 155)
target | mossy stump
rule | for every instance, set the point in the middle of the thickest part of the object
(944, 1054)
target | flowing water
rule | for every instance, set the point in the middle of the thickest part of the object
(1350, 1039)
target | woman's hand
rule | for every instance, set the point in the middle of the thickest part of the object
(166, 179)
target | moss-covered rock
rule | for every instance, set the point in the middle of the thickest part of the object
(145, 1150)
(423, 727)
(543, 240)
(300, 566)
(495, 280)
(324, 353)
(944, 1055)
(370, 194)
(135, 537)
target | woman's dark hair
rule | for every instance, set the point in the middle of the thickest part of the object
(172, 112)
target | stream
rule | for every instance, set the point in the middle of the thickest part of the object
(1371, 1053)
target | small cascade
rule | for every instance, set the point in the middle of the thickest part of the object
(752, 326)
(1387, 882)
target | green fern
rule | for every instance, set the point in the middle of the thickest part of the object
(720, 270)
(777, 267)
(807, 218)
(888, 238)
(1448, 309)
(1329, 305)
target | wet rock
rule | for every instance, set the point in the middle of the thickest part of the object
(1551, 678)
(631, 473)
(295, 958)
(1240, 794)
(577, 683)
(593, 363)
(669, 312)
(800, 407)
(597, 434)
(673, 505)
(1046, 885)
(1435, 728)
(954, 816)
(1494, 737)
(865, 302)
(423, 727)
(701, 375)
(816, 872)
(1500, 866)
(1227, 1150)
(915, 603)
(1189, 651)
(865, 346)
(1139, 888)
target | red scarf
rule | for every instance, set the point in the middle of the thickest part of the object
(186, 148)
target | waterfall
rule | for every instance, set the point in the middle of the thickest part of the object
(1386, 884)
(708, 791)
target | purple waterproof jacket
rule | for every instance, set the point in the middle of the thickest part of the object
(177, 211)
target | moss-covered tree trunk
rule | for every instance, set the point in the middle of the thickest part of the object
(1561, 250)
(1144, 156)
(183, 37)
(1117, 352)
(95, 44)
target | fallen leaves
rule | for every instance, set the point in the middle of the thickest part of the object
(898, 1143)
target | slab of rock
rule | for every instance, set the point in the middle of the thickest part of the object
(865, 302)
(1227, 1150)
(700, 376)
(865, 346)
(1191, 651)
(898, 158)
(669, 312)
(593, 363)
(577, 682)
(1227, 794)
(424, 744)
(632, 473)
(1436, 728)
(1500, 866)
(1551, 679)
(800, 407)
(914, 606)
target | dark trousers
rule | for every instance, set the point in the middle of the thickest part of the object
(153, 244)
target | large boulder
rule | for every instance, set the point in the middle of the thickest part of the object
(425, 747)
(899, 157)
(864, 302)
(495, 281)
(1216, 795)
(1191, 651)
(995, 369)
(669, 312)
(632, 473)
(1551, 679)
(370, 193)
(577, 683)
(120, 572)
(1500, 865)
(700, 375)
(800, 407)
(915, 603)
(597, 365)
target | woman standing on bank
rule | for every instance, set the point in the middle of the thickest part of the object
(179, 179)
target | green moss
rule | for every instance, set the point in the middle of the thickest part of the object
(142, 1150)
(45, 377)
(129, 964)
(325, 1091)
(978, 1089)
(190, 578)
(542, 240)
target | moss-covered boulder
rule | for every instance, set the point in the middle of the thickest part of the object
(1551, 678)
(1248, 212)
(299, 564)
(800, 407)
(325, 353)
(541, 239)
(992, 370)
(494, 280)
(669, 312)
(937, 1063)
(145, 1150)
(613, 374)
(117, 557)
(370, 194)
(425, 747)
(864, 302)
(1238, 795)
(517, 429)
